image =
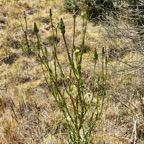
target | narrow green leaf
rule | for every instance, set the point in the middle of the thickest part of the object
(46, 51)
(103, 51)
(106, 59)
(62, 26)
(35, 28)
(78, 76)
(95, 55)
(50, 13)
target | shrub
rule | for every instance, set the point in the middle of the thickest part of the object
(96, 9)
(80, 104)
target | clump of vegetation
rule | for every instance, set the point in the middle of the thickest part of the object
(96, 9)
(80, 105)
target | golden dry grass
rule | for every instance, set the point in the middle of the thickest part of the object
(28, 113)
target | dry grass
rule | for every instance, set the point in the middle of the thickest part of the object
(28, 113)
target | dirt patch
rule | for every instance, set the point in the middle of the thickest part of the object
(11, 58)
(24, 79)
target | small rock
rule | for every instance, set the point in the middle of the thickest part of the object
(31, 11)
(47, 27)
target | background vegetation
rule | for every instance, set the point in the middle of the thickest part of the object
(92, 58)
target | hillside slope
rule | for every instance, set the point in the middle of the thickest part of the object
(28, 112)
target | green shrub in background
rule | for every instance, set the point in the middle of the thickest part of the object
(96, 9)
(99, 9)
(71, 5)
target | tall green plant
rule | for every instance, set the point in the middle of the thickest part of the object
(26, 48)
(80, 109)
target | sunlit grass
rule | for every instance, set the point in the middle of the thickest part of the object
(28, 111)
